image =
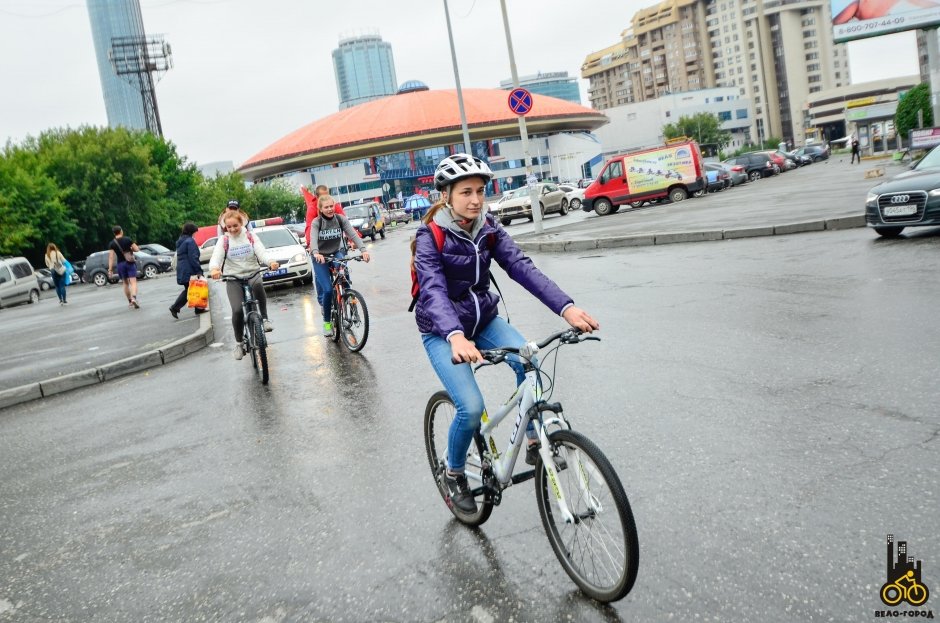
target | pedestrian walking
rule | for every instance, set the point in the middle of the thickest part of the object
(856, 152)
(57, 265)
(124, 248)
(187, 265)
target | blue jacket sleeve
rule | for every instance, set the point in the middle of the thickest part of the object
(432, 284)
(522, 270)
(192, 255)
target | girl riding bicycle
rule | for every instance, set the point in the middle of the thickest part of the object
(455, 304)
(326, 238)
(240, 254)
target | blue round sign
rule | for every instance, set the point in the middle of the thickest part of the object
(520, 101)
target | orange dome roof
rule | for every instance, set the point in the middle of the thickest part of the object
(414, 121)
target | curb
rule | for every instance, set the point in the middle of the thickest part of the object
(643, 240)
(178, 349)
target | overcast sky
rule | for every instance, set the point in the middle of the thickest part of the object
(247, 72)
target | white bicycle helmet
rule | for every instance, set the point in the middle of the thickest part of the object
(457, 167)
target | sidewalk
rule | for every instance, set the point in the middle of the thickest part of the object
(49, 349)
(821, 196)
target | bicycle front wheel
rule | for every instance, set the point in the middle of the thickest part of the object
(354, 321)
(260, 345)
(600, 550)
(437, 419)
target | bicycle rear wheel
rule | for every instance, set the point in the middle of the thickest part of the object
(260, 345)
(600, 550)
(354, 321)
(437, 419)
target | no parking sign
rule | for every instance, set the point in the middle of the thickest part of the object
(520, 102)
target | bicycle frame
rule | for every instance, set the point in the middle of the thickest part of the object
(250, 309)
(528, 398)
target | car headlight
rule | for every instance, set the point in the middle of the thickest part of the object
(935, 192)
(300, 257)
(871, 201)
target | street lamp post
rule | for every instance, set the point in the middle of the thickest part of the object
(453, 58)
(523, 132)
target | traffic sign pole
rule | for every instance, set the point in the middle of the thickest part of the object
(523, 131)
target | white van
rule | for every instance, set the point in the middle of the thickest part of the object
(18, 282)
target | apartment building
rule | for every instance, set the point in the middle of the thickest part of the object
(775, 52)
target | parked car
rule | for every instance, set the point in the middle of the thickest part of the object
(284, 247)
(44, 277)
(17, 282)
(909, 199)
(585, 182)
(396, 215)
(816, 152)
(148, 267)
(78, 275)
(736, 172)
(575, 195)
(367, 219)
(801, 160)
(671, 172)
(717, 176)
(756, 164)
(159, 249)
(206, 249)
(783, 160)
(518, 204)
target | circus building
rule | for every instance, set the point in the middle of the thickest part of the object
(389, 147)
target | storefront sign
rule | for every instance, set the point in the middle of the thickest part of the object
(925, 138)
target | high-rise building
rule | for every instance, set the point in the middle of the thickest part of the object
(553, 84)
(110, 19)
(365, 70)
(775, 52)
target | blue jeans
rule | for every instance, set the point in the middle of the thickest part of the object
(321, 273)
(59, 281)
(462, 387)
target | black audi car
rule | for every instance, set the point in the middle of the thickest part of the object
(910, 199)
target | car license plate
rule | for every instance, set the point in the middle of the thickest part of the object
(901, 210)
(275, 273)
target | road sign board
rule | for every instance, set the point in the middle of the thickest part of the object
(385, 187)
(520, 101)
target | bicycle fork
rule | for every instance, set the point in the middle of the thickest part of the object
(572, 461)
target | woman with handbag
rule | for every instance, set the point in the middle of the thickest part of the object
(56, 264)
(124, 249)
(187, 265)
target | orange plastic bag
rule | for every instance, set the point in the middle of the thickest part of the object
(197, 295)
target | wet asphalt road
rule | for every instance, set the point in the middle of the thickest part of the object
(770, 405)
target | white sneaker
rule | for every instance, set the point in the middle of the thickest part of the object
(268, 327)
(239, 351)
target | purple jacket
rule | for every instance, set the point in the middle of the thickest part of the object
(454, 284)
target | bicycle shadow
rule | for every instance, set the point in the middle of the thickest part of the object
(475, 568)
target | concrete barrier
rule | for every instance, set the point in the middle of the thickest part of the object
(67, 382)
(129, 365)
(626, 241)
(690, 236)
(747, 232)
(797, 228)
(16, 395)
(846, 222)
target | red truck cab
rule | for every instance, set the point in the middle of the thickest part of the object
(674, 171)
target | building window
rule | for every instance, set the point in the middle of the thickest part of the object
(740, 113)
(724, 115)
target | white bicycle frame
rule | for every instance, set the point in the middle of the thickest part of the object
(526, 395)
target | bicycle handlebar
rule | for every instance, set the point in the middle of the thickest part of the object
(568, 336)
(245, 278)
(333, 258)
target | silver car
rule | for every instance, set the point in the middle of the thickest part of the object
(17, 282)
(517, 203)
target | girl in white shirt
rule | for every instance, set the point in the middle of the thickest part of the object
(239, 254)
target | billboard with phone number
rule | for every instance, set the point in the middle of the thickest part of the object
(858, 19)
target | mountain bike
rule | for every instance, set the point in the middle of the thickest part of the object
(349, 316)
(253, 336)
(582, 503)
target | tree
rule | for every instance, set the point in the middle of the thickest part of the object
(915, 100)
(704, 127)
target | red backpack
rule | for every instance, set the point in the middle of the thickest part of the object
(438, 234)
